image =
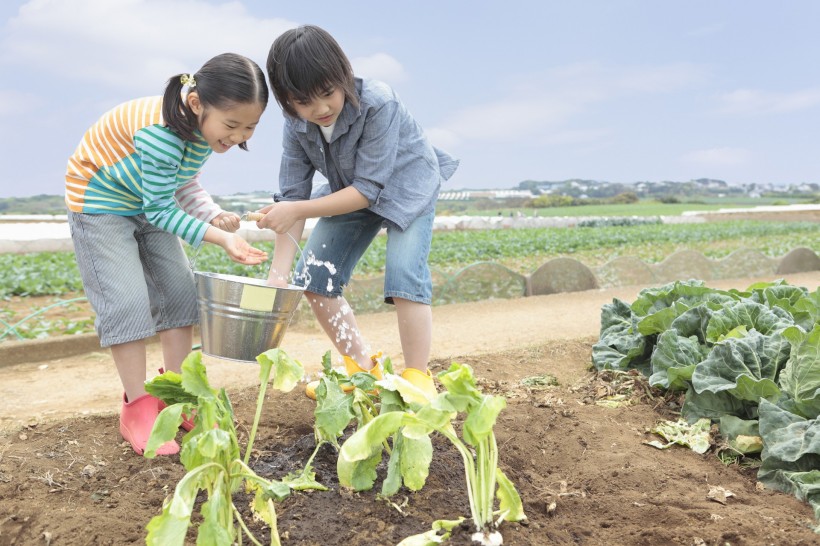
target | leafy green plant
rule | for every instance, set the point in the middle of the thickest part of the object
(335, 410)
(749, 360)
(362, 452)
(211, 454)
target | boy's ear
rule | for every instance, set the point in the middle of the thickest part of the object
(194, 103)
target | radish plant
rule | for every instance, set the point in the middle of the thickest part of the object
(336, 409)
(484, 479)
(211, 454)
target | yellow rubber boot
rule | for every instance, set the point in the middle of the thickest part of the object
(351, 366)
(422, 380)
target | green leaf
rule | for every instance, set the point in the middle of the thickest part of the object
(170, 527)
(287, 372)
(693, 322)
(745, 367)
(168, 388)
(417, 454)
(194, 378)
(392, 481)
(359, 474)
(662, 320)
(674, 359)
(713, 405)
(509, 502)
(302, 481)
(164, 430)
(745, 313)
(217, 526)
(459, 381)
(791, 454)
(743, 435)
(333, 411)
(800, 378)
(621, 345)
(481, 419)
(358, 446)
(362, 452)
(279, 490)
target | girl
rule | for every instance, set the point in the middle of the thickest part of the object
(132, 190)
(381, 171)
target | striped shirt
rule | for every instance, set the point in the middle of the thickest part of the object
(129, 163)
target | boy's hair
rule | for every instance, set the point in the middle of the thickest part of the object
(305, 62)
(222, 82)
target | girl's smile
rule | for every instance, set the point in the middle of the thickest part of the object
(224, 128)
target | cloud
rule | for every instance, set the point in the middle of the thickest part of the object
(543, 104)
(379, 66)
(718, 157)
(131, 43)
(753, 101)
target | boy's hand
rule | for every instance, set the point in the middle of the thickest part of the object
(226, 221)
(241, 252)
(279, 217)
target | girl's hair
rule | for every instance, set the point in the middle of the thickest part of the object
(305, 62)
(222, 82)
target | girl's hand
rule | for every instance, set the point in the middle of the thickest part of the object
(226, 221)
(279, 217)
(241, 252)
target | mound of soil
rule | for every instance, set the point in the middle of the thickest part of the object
(582, 469)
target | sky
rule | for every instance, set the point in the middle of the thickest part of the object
(610, 90)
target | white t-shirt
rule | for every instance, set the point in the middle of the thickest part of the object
(327, 132)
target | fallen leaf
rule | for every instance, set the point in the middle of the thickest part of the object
(719, 494)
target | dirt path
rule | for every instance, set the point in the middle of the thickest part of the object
(88, 383)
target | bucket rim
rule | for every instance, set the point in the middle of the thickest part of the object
(247, 280)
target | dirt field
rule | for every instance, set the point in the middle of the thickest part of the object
(67, 478)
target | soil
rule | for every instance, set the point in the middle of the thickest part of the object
(582, 469)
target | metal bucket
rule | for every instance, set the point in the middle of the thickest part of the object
(242, 317)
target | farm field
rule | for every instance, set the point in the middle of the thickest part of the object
(27, 290)
(559, 444)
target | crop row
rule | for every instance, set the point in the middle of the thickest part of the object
(55, 273)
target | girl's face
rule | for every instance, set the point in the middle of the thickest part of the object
(222, 129)
(323, 110)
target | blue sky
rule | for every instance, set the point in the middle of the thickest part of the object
(613, 90)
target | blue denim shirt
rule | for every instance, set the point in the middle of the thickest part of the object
(378, 148)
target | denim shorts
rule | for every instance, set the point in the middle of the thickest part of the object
(135, 275)
(337, 243)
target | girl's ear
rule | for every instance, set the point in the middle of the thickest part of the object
(194, 103)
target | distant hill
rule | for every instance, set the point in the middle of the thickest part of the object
(577, 187)
(37, 204)
(524, 191)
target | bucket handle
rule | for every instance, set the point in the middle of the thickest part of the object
(252, 217)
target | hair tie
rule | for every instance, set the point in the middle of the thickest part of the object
(188, 79)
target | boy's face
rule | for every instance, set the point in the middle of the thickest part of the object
(323, 110)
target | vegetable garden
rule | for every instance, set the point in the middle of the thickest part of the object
(575, 444)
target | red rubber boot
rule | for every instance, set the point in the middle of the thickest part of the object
(136, 420)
